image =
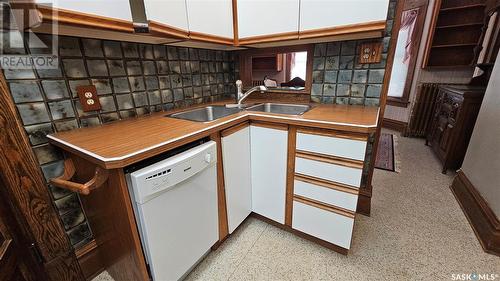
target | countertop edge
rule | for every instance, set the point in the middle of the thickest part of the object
(110, 163)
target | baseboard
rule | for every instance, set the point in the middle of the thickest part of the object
(395, 125)
(483, 221)
(89, 259)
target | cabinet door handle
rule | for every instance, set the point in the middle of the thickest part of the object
(63, 181)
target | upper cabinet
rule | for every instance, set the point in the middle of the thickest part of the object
(320, 15)
(167, 17)
(97, 15)
(116, 9)
(210, 18)
(270, 20)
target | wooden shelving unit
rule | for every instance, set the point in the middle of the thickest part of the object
(456, 29)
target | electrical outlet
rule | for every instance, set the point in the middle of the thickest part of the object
(88, 98)
(370, 52)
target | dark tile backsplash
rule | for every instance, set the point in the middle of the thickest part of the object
(131, 80)
(339, 78)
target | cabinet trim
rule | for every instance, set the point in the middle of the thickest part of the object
(344, 29)
(167, 30)
(210, 38)
(78, 19)
(221, 190)
(330, 159)
(331, 133)
(290, 172)
(283, 127)
(269, 38)
(324, 206)
(326, 183)
(236, 40)
(234, 129)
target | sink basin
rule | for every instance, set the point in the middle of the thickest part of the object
(205, 114)
(290, 109)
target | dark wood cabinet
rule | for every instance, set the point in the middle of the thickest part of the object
(453, 121)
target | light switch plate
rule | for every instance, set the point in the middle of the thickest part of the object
(370, 52)
(88, 98)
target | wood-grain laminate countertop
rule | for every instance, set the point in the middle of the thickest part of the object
(121, 143)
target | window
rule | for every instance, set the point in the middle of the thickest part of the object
(410, 32)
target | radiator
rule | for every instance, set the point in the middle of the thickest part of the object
(423, 110)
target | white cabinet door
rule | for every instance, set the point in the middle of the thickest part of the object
(316, 14)
(237, 176)
(258, 17)
(169, 12)
(269, 162)
(213, 17)
(117, 9)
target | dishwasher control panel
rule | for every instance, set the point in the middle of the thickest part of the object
(149, 181)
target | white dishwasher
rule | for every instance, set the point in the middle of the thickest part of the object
(175, 203)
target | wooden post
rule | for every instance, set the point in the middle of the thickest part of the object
(28, 196)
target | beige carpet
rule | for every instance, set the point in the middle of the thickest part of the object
(416, 232)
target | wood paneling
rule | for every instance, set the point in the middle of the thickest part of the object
(26, 189)
(121, 143)
(481, 218)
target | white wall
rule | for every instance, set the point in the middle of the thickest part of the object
(482, 161)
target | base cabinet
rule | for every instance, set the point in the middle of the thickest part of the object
(269, 162)
(323, 224)
(323, 197)
(237, 176)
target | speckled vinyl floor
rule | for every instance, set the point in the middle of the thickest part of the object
(416, 232)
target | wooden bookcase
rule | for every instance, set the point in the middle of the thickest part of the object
(455, 33)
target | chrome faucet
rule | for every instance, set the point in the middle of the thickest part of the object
(242, 96)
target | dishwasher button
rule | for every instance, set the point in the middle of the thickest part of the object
(207, 157)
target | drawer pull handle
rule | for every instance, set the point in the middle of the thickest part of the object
(63, 181)
(323, 206)
(351, 163)
(326, 183)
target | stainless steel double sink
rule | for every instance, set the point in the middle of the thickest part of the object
(214, 112)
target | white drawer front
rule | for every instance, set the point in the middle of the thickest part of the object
(327, 171)
(326, 195)
(322, 224)
(347, 148)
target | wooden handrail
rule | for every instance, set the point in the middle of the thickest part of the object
(63, 181)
